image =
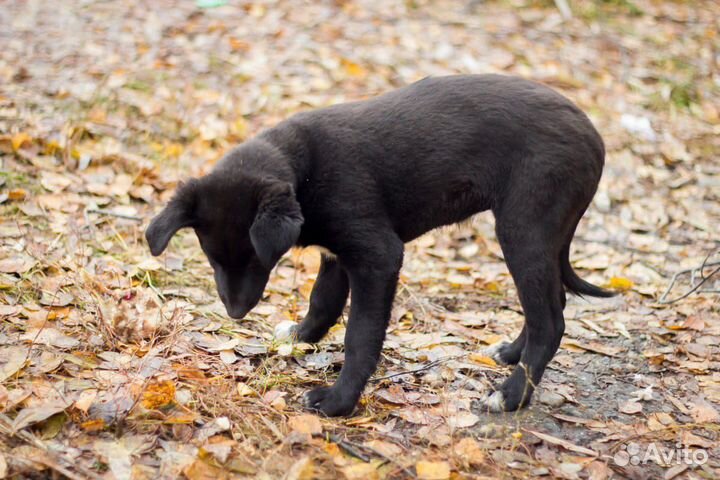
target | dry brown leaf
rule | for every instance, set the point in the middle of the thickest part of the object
(703, 411)
(15, 359)
(563, 443)
(17, 264)
(469, 451)
(592, 346)
(51, 337)
(303, 469)
(427, 470)
(631, 407)
(305, 423)
(31, 415)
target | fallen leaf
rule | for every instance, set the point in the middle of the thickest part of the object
(303, 469)
(305, 423)
(620, 283)
(361, 471)
(631, 407)
(427, 470)
(31, 415)
(51, 337)
(118, 453)
(158, 395)
(592, 346)
(469, 451)
(563, 443)
(213, 427)
(483, 360)
(462, 419)
(702, 411)
(17, 264)
(16, 357)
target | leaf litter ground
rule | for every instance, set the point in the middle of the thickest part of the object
(117, 365)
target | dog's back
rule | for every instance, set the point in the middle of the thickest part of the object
(440, 150)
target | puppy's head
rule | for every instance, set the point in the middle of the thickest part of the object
(244, 224)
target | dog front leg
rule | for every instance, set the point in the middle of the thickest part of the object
(327, 300)
(372, 284)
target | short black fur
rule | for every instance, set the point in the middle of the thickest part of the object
(361, 179)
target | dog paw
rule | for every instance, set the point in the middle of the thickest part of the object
(503, 353)
(285, 331)
(329, 401)
(494, 402)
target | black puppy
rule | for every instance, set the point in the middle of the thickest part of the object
(361, 179)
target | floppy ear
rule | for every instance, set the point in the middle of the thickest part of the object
(277, 222)
(178, 214)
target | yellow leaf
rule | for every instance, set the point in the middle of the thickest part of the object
(158, 395)
(173, 150)
(621, 283)
(432, 470)
(352, 68)
(19, 139)
(483, 360)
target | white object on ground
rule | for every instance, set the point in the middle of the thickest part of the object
(284, 330)
(639, 126)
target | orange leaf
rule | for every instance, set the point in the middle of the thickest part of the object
(158, 395)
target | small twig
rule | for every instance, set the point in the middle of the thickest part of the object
(428, 366)
(110, 213)
(696, 287)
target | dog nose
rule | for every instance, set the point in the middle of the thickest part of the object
(236, 313)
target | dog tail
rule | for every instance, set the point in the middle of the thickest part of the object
(575, 284)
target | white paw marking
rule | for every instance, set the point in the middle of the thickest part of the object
(495, 402)
(493, 351)
(285, 331)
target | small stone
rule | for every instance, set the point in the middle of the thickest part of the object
(551, 399)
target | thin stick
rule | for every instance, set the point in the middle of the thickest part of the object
(428, 366)
(703, 278)
(109, 213)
